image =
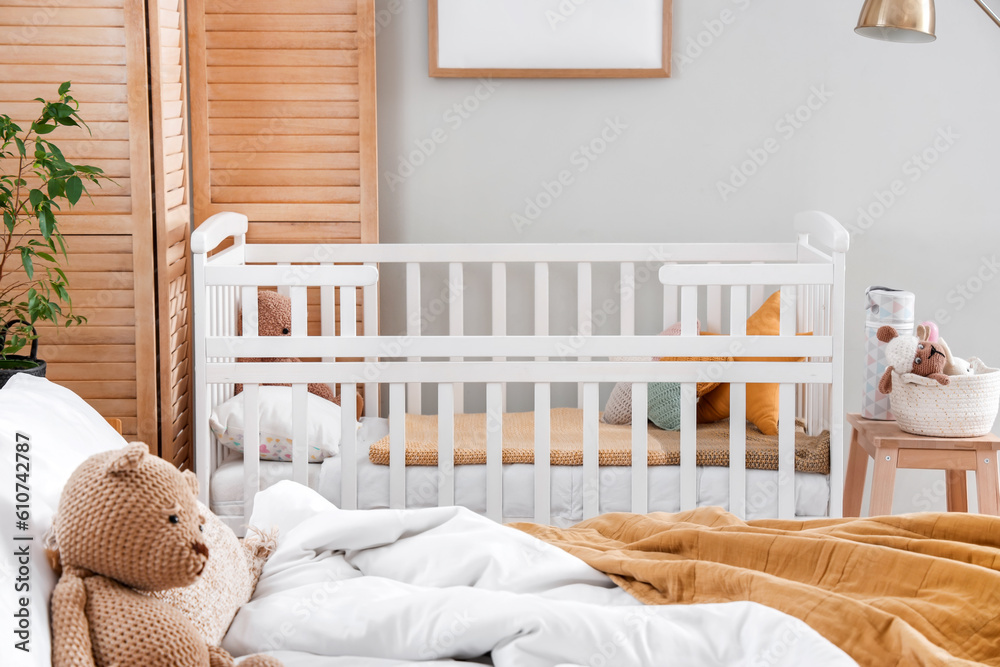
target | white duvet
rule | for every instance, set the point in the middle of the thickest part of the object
(375, 588)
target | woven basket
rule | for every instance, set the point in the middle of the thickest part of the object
(965, 408)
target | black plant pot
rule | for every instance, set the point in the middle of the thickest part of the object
(15, 364)
(7, 373)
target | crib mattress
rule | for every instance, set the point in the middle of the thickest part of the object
(812, 491)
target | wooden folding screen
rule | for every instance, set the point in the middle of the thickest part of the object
(99, 45)
(128, 257)
(168, 76)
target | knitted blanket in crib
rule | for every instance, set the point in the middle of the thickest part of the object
(812, 453)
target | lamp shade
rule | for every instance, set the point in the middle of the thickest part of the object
(909, 21)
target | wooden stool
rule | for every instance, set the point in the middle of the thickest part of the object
(892, 448)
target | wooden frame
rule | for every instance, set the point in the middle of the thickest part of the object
(435, 70)
(810, 271)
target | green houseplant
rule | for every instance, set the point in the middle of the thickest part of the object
(35, 181)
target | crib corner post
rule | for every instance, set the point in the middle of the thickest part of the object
(837, 414)
(203, 450)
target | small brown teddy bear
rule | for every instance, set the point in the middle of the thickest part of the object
(911, 354)
(129, 520)
(274, 318)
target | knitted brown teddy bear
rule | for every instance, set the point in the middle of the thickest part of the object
(129, 520)
(274, 318)
(911, 354)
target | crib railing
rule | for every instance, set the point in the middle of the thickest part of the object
(695, 279)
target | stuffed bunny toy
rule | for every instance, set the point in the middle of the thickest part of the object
(911, 354)
(129, 520)
(274, 318)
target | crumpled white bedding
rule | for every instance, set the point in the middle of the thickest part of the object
(446, 583)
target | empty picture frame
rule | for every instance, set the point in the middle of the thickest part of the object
(549, 38)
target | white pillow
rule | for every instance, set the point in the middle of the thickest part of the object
(275, 408)
(62, 432)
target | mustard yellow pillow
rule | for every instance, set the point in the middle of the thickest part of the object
(762, 398)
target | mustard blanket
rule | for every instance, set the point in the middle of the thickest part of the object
(918, 589)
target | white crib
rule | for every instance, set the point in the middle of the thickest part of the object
(718, 283)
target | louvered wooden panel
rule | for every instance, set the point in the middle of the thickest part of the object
(99, 45)
(283, 116)
(173, 226)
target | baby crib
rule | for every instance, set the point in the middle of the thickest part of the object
(492, 290)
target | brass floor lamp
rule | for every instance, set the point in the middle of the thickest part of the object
(908, 21)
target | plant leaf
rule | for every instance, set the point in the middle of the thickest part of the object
(64, 88)
(35, 197)
(29, 267)
(46, 222)
(74, 189)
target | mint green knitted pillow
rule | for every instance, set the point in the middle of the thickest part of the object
(663, 405)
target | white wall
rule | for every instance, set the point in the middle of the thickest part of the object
(684, 135)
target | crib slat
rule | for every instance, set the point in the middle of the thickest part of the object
(689, 427)
(640, 448)
(627, 298)
(456, 320)
(300, 317)
(348, 453)
(689, 310)
(397, 446)
(499, 315)
(591, 450)
(251, 442)
(786, 416)
(543, 513)
(300, 420)
(584, 314)
(494, 451)
(541, 301)
(328, 311)
(248, 304)
(689, 446)
(446, 444)
(713, 303)
(284, 290)
(738, 411)
(370, 293)
(348, 311)
(669, 302)
(413, 318)
(756, 295)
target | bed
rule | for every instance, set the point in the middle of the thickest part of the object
(453, 343)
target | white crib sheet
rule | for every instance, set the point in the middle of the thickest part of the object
(812, 491)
